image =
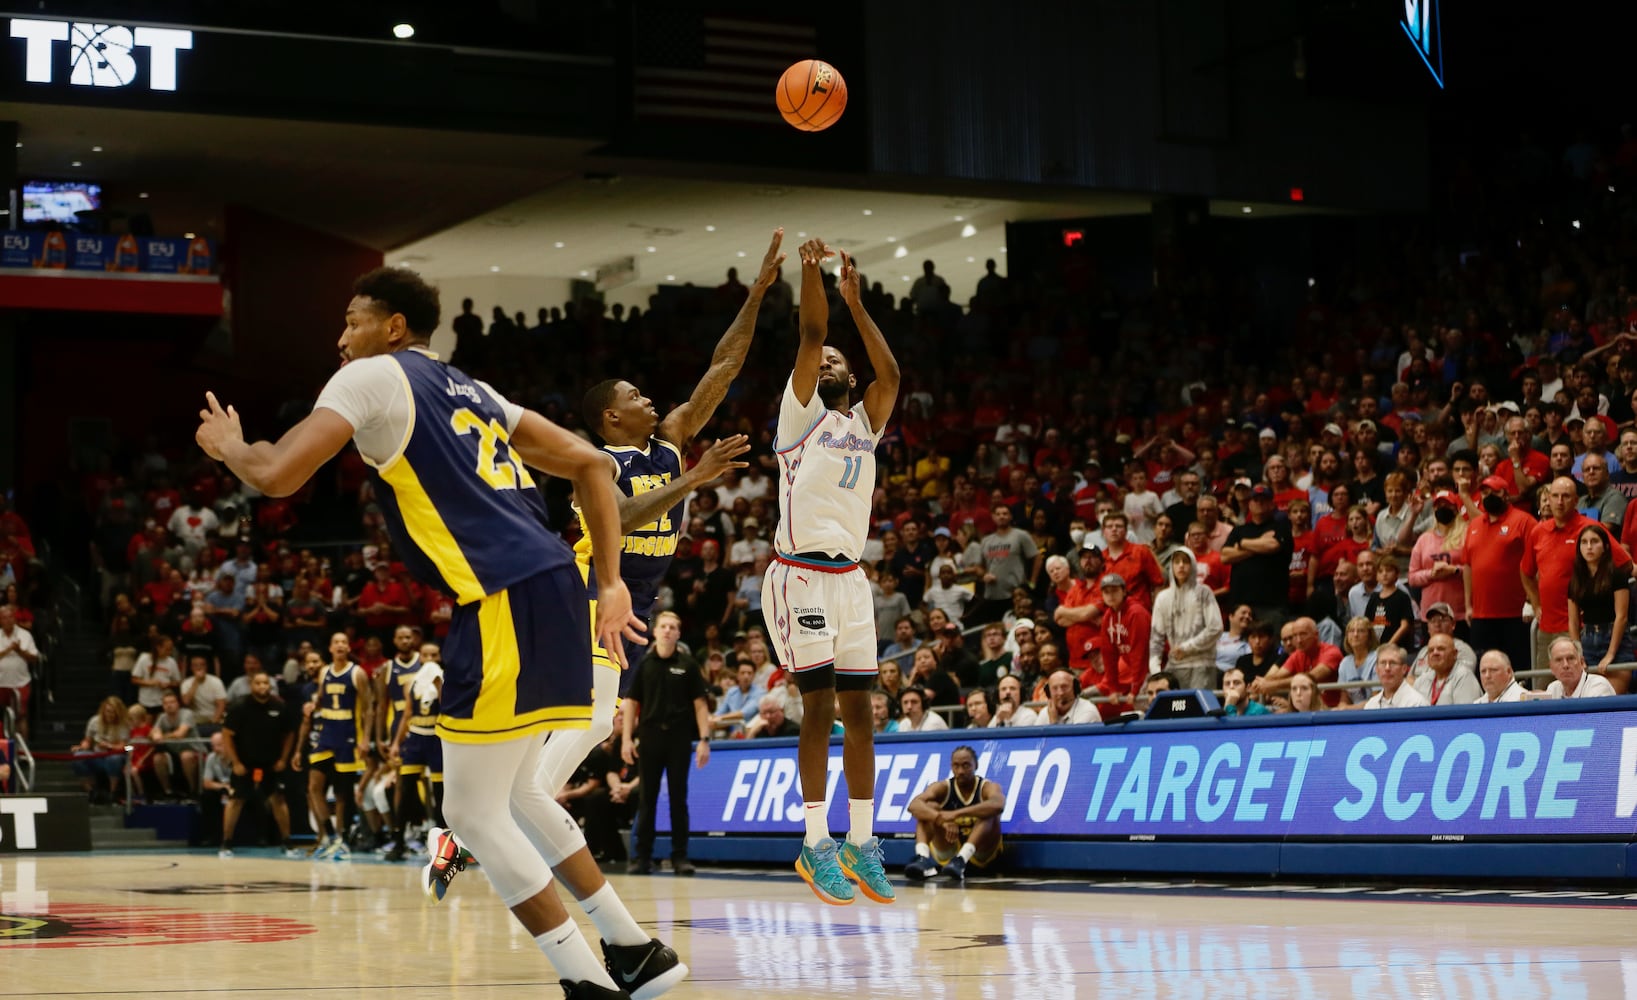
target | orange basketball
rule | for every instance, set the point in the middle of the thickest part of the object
(811, 95)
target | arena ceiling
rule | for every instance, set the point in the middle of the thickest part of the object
(455, 204)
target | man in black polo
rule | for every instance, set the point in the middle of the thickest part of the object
(257, 738)
(668, 693)
(1259, 552)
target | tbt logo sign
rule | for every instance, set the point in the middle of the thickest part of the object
(1422, 25)
(100, 55)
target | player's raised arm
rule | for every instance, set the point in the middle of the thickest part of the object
(279, 468)
(814, 316)
(682, 423)
(882, 394)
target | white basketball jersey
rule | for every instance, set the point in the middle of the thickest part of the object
(826, 477)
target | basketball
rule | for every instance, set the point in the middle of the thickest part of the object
(811, 95)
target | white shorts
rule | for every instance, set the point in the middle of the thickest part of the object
(819, 615)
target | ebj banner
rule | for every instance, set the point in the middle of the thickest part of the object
(1543, 774)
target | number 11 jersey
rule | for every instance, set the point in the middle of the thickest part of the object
(826, 477)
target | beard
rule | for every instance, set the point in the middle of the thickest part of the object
(836, 395)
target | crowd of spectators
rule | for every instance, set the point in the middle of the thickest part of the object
(1079, 489)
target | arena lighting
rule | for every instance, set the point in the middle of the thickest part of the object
(892, 239)
(75, 163)
(868, 212)
(902, 251)
(968, 230)
(558, 244)
(143, 194)
(1576, 223)
(653, 249)
(670, 277)
(493, 268)
(1072, 237)
(1426, 33)
(187, 236)
(96, 149)
(960, 218)
(1246, 209)
(741, 253)
(403, 30)
(712, 229)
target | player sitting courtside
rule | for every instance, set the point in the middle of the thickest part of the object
(817, 598)
(956, 821)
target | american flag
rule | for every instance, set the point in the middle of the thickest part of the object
(726, 68)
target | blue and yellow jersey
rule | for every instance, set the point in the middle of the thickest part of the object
(398, 680)
(336, 717)
(648, 550)
(461, 508)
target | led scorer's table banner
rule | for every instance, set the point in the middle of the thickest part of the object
(1530, 772)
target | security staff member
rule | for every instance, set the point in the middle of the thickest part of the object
(671, 688)
(257, 738)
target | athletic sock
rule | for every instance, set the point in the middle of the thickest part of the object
(861, 820)
(818, 823)
(570, 954)
(614, 922)
(967, 850)
(922, 850)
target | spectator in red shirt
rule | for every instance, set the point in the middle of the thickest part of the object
(1332, 527)
(1523, 468)
(382, 603)
(1303, 559)
(1548, 564)
(1319, 660)
(1493, 551)
(1213, 572)
(1078, 613)
(1133, 563)
(1125, 636)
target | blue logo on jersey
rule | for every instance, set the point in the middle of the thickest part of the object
(852, 442)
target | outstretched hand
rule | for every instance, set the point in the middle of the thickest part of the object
(849, 280)
(771, 262)
(813, 253)
(218, 428)
(719, 457)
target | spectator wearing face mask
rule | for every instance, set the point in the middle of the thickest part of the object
(1437, 562)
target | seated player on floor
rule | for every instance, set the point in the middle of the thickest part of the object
(956, 821)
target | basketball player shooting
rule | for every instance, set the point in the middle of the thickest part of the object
(819, 599)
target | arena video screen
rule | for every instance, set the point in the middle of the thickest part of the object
(1524, 776)
(57, 203)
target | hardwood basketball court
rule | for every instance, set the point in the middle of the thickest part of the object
(195, 925)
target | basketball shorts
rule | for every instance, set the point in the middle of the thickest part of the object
(819, 613)
(599, 656)
(518, 662)
(336, 749)
(422, 755)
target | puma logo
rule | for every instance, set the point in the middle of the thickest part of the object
(803, 579)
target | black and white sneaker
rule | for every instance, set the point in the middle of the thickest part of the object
(643, 970)
(920, 869)
(585, 989)
(956, 869)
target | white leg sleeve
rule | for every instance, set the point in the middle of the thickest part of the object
(543, 820)
(567, 748)
(478, 782)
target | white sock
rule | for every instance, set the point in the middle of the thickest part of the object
(818, 823)
(613, 920)
(861, 820)
(967, 850)
(922, 850)
(569, 953)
